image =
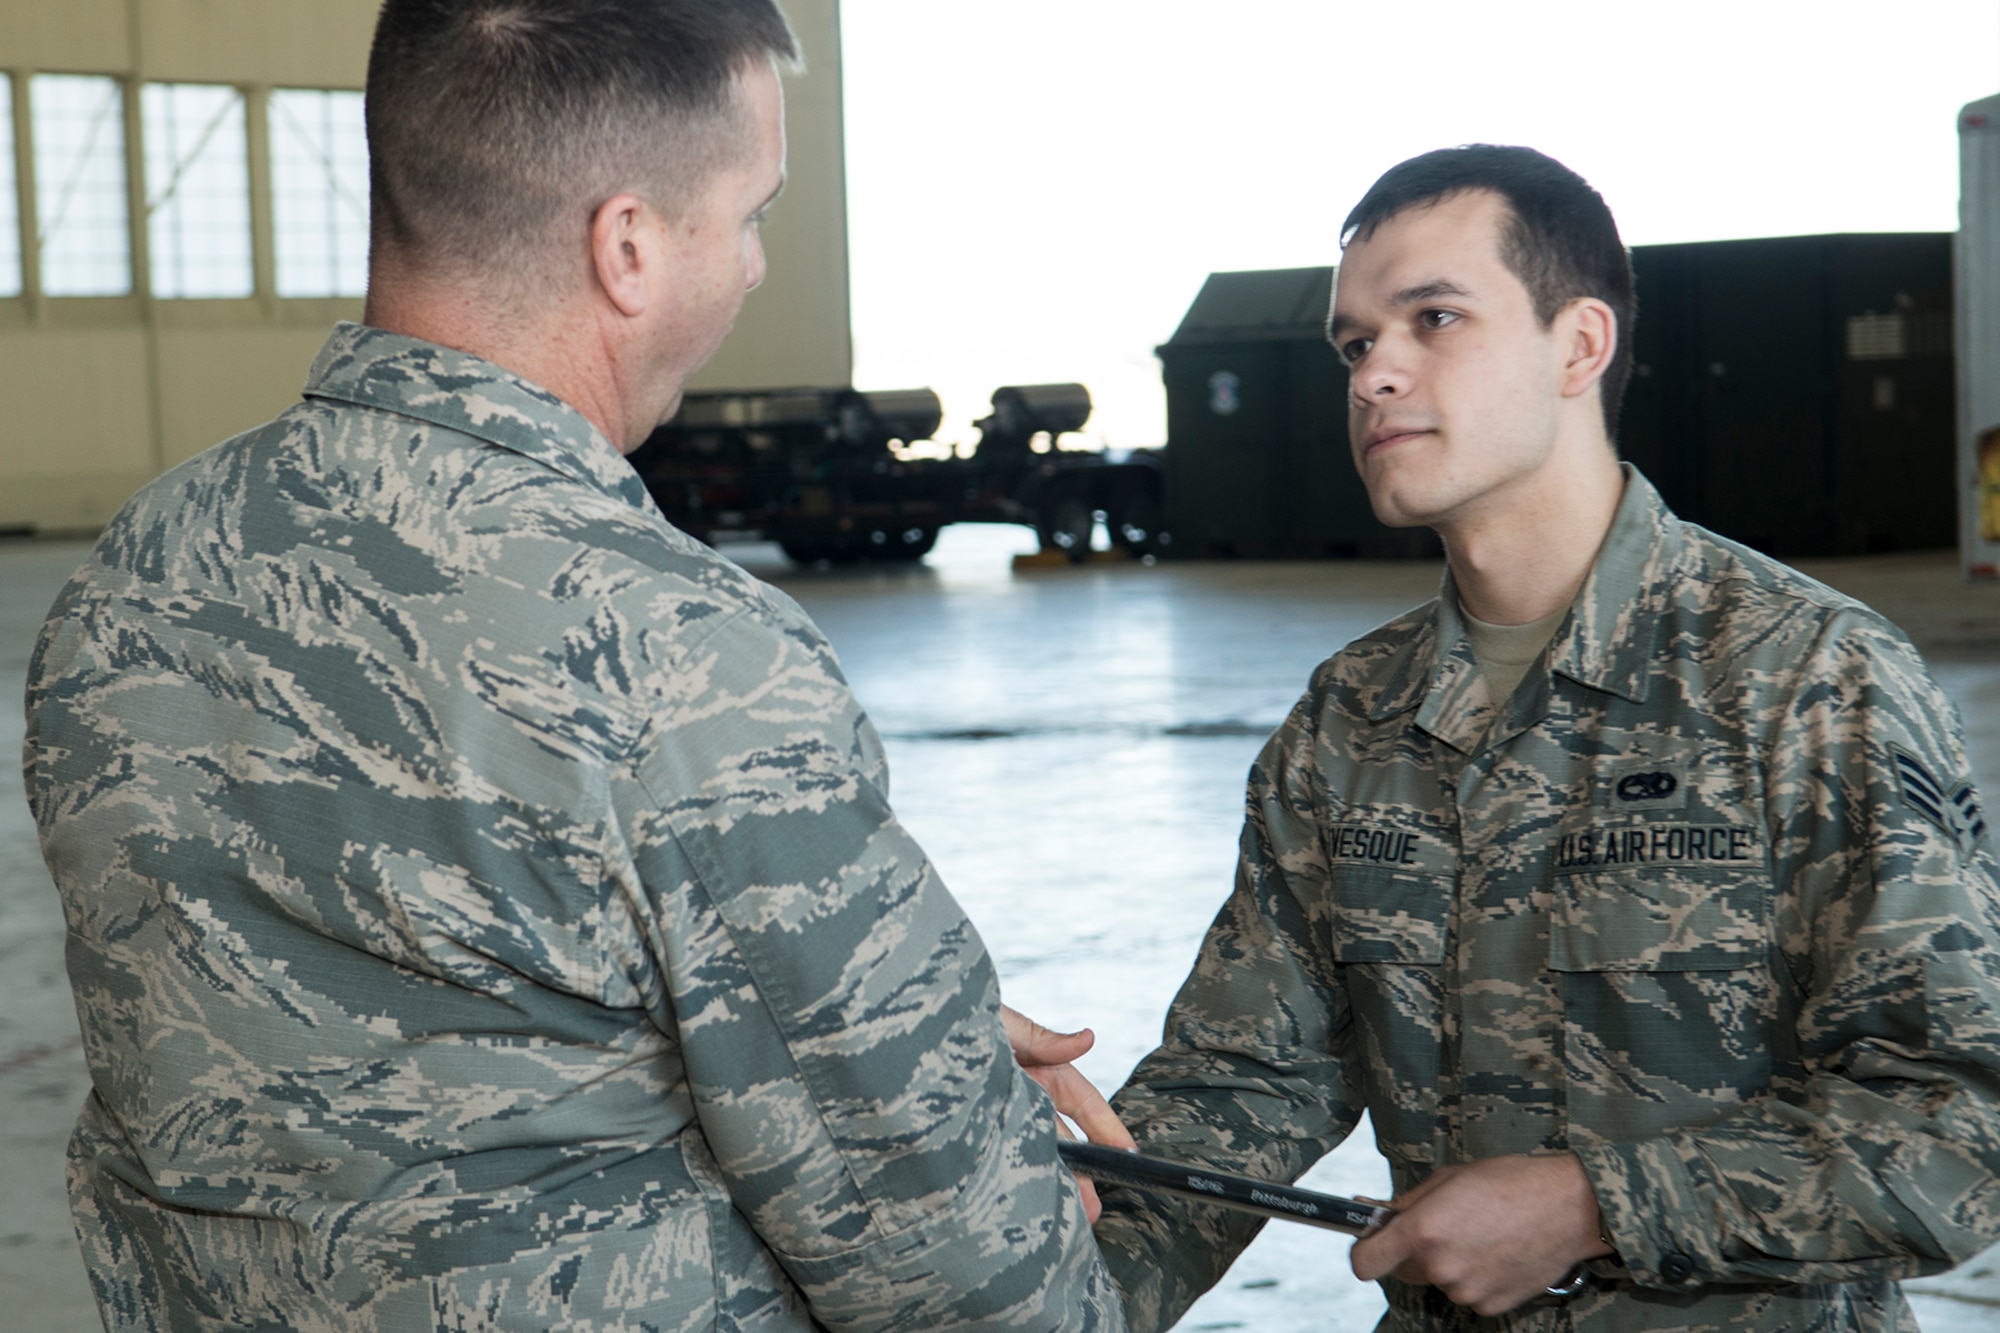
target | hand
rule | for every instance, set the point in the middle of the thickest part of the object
(1490, 1235)
(1044, 1056)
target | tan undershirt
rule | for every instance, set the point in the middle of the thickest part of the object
(1505, 652)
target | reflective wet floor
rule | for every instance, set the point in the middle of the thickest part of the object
(1069, 745)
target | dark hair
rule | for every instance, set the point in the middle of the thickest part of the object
(1561, 242)
(490, 120)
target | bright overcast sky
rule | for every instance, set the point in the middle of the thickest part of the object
(1036, 188)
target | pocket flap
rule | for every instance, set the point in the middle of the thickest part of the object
(1384, 916)
(1653, 921)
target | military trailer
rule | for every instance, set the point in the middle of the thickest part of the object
(824, 473)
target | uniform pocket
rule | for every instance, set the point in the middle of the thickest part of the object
(1388, 931)
(1659, 922)
(1669, 997)
(1389, 916)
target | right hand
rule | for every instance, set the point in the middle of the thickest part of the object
(1045, 1056)
(1492, 1234)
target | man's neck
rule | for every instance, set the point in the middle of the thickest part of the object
(1525, 557)
(558, 350)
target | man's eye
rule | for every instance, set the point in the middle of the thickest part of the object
(1354, 349)
(1436, 319)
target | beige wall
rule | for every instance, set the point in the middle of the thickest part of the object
(794, 329)
(99, 395)
(78, 432)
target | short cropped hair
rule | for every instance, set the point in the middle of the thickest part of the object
(490, 121)
(1561, 242)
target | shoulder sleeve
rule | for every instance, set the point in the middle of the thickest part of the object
(837, 1013)
(1251, 1074)
(1885, 1160)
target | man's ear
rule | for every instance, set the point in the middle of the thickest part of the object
(1589, 332)
(624, 249)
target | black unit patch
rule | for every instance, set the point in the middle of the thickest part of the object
(1956, 811)
(1655, 786)
(1644, 785)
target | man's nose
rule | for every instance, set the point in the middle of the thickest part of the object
(1381, 374)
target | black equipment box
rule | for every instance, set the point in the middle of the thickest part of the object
(1795, 394)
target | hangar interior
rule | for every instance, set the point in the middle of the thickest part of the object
(182, 216)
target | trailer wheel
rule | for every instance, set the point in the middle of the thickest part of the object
(1064, 521)
(1135, 515)
(904, 544)
(806, 553)
(810, 552)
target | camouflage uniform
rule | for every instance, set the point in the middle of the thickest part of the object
(1707, 902)
(486, 911)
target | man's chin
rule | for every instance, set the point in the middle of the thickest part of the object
(1393, 515)
(1390, 494)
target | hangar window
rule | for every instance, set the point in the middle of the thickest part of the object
(10, 208)
(197, 190)
(319, 186)
(82, 210)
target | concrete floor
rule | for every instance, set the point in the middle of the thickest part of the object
(1070, 746)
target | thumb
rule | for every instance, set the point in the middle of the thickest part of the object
(1034, 1044)
(1379, 1253)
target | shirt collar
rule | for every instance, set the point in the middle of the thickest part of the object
(1611, 639)
(1608, 643)
(458, 391)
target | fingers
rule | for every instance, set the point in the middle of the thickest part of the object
(1093, 1207)
(1490, 1235)
(1078, 1098)
(1044, 1056)
(1418, 1250)
(1035, 1045)
(1374, 1256)
(1379, 1253)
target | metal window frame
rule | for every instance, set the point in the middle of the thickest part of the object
(147, 186)
(270, 163)
(29, 191)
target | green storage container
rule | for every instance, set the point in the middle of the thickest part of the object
(1258, 464)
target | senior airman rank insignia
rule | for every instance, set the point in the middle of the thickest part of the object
(1955, 811)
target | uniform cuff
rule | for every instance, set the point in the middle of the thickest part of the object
(1013, 1250)
(1653, 1208)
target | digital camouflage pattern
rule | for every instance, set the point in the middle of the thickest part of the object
(486, 912)
(1708, 902)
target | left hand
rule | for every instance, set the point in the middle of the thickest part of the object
(1045, 1056)
(1490, 1235)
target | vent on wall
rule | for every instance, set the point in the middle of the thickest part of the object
(1900, 335)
